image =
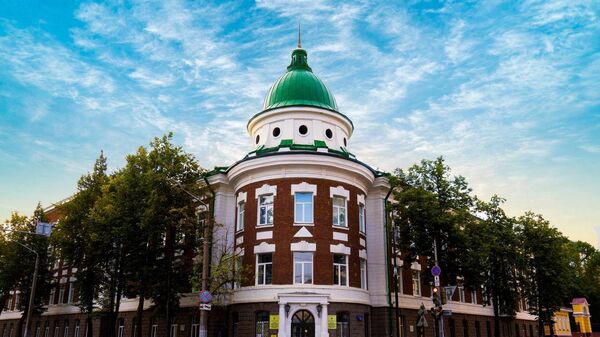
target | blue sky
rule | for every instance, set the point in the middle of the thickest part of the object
(508, 93)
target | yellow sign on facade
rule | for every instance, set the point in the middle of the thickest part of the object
(274, 322)
(331, 322)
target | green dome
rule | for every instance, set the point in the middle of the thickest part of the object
(299, 86)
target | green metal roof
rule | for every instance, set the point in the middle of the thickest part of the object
(299, 86)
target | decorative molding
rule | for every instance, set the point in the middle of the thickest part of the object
(415, 266)
(303, 246)
(363, 243)
(339, 191)
(362, 254)
(239, 251)
(239, 240)
(360, 199)
(304, 187)
(340, 236)
(241, 197)
(340, 249)
(303, 233)
(264, 247)
(265, 189)
(264, 235)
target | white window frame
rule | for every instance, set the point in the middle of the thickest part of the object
(416, 282)
(304, 205)
(61, 294)
(400, 278)
(364, 283)
(238, 263)
(461, 294)
(362, 225)
(263, 265)
(52, 295)
(303, 266)
(37, 331)
(10, 301)
(71, 292)
(337, 267)
(174, 327)
(474, 296)
(154, 328)
(56, 331)
(47, 331)
(241, 210)
(267, 207)
(76, 332)
(66, 331)
(336, 211)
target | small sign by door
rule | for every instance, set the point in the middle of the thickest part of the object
(274, 322)
(331, 322)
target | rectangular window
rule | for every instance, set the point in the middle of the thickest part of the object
(477, 329)
(265, 210)
(340, 269)
(47, 331)
(399, 280)
(66, 332)
(76, 332)
(195, 331)
(363, 273)
(303, 268)
(262, 324)
(264, 268)
(71, 292)
(452, 327)
(154, 328)
(240, 215)
(465, 328)
(461, 294)
(488, 329)
(239, 262)
(416, 281)
(61, 294)
(303, 209)
(174, 330)
(37, 331)
(361, 218)
(339, 211)
(474, 296)
(56, 331)
(343, 324)
(51, 298)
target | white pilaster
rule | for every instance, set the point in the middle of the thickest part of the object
(282, 320)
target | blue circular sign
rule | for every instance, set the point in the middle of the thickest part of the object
(205, 296)
(436, 271)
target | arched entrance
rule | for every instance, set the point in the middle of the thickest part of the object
(303, 324)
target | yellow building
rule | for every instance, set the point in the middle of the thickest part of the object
(581, 313)
(562, 325)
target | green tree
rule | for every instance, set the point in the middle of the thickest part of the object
(79, 237)
(547, 272)
(432, 206)
(493, 258)
(584, 262)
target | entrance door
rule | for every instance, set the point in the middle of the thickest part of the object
(303, 324)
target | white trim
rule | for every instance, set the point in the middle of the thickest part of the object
(340, 236)
(265, 189)
(303, 246)
(264, 235)
(339, 191)
(415, 266)
(304, 187)
(303, 233)
(363, 243)
(362, 254)
(239, 251)
(340, 249)
(239, 240)
(241, 197)
(360, 199)
(264, 247)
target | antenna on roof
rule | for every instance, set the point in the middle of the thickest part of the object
(299, 36)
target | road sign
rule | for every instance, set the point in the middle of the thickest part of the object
(205, 307)
(43, 228)
(436, 271)
(436, 280)
(205, 296)
(449, 292)
(422, 322)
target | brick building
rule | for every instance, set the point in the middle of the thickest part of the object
(308, 219)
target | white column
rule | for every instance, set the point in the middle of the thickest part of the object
(282, 320)
(324, 331)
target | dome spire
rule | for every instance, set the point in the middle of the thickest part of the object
(299, 37)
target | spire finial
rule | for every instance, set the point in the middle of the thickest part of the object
(299, 36)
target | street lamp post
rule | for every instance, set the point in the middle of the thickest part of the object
(205, 258)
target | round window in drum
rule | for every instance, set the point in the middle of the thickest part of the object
(257, 139)
(276, 132)
(303, 129)
(329, 133)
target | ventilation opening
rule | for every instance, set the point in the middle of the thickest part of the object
(303, 129)
(329, 133)
(276, 132)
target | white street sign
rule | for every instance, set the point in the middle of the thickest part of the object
(205, 307)
(436, 281)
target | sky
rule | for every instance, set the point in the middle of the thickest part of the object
(508, 93)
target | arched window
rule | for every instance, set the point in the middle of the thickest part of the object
(343, 324)
(262, 324)
(66, 329)
(76, 329)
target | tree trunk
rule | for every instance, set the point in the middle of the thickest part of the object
(139, 313)
(496, 317)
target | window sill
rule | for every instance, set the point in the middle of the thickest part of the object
(300, 224)
(340, 227)
(239, 231)
(264, 226)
